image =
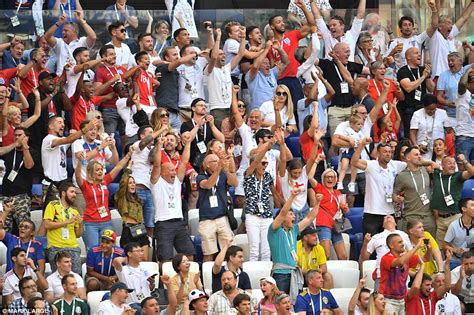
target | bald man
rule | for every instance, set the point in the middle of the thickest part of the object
(212, 203)
(415, 81)
(360, 90)
(165, 185)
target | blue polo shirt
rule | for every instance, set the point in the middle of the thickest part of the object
(103, 265)
(313, 304)
(35, 249)
(219, 190)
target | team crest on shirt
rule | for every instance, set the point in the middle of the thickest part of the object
(119, 71)
(314, 260)
(2, 81)
(325, 300)
(287, 41)
(78, 309)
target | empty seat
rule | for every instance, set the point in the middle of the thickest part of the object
(347, 245)
(37, 217)
(345, 277)
(152, 268)
(293, 144)
(207, 275)
(238, 215)
(84, 270)
(368, 268)
(193, 221)
(3, 254)
(256, 271)
(335, 264)
(82, 246)
(116, 221)
(243, 241)
(257, 294)
(343, 297)
(47, 270)
(468, 189)
(93, 300)
(113, 187)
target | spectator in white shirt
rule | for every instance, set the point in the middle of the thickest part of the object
(65, 46)
(281, 104)
(119, 34)
(117, 305)
(464, 117)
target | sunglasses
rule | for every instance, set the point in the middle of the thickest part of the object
(98, 117)
(162, 115)
(264, 163)
(281, 93)
(123, 30)
(25, 226)
(242, 106)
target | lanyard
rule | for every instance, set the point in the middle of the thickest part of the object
(214, 188)
(376, 87)
(205, 129)
(289, 239)
(259, 191)
(63, 8)
(388, 187)
(117, 14)
(27, 249)
(112, 74)
(432, 124)
(84, 104)
(320, 301)
(14, 61)
(73, 306)
(95, 196)
(338, 73)
(63, 210)
(110, 263)
(423, 306)
(14, 162)
(308, 263)
(449, 184)
(149, 82)
(175, 163)
(417, 76)
(20, 2)
(414, 181)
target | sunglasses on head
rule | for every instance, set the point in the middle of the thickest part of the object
(281, 93)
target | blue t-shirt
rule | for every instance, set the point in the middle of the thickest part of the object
(448, 82)
(281, 244)
(261, 88)
(313, 304)
(219, 191)
(35, 249)
(103, 265)
(67, 8)
(8, 61)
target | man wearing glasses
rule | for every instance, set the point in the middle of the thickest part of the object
(28, 289)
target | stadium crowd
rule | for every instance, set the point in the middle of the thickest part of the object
(284, 158)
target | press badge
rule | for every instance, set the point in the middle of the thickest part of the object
(11, 177)
(385, 108)
(417, 95)
(260, 207)
(344, 87)
(237, 150)
(103, 212)
(213, 201)
(65, 233)
(388, 198)
(15, 21)
(449, 200)
(202, 147)
(424, 199)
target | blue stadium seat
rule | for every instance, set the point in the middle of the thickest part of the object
(468, 189)
(37, 190)
(359, 211)
(335, 162)
(118, 144)
(113, 187)
(293, 143)
(69, 167)
(356, 221)
(356, 245)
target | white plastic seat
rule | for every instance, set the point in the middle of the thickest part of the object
(193, 221)
(37, 217)
(343, 297)
(84, 270)
(207, 275)
(3, 253)
(152, 268)
(93, 299)
(257, 294)
(336, 264)
(345, 277)
(167, 268)
(116, 221)
(238, 215)
(256, 271)
(82, 246)
(347, 245)
(368, 268)
(47, 270)
(242, 240)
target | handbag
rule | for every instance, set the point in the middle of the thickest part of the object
(339, 225)
(137, 230)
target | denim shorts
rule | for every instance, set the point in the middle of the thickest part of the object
(327, 234)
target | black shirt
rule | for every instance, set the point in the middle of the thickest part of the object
(39, 129)
(410, 104)
(167, 93)
(331, 74)
(196, 156)
(24, 179)
(243, 281)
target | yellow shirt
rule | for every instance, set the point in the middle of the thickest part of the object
(59, 237)
(313, 260)
(190, 285)
(430, 266)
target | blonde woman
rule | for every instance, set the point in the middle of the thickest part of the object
(160, 121)
(267, 304)
(376, 304)
(282, 104)
(95, 114)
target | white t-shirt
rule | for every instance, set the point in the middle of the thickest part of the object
(73, 77)
(55, 286)
(80, 145)
(269, 114)
(302, 182)
(64, 52)
(219, 86)
(449, 304)
(185, 8)
(141, 167)
(54, 159)
(440, 48)
(137, 279)
(379, 183)
(126, 113)
(468, 294)
(350, 37)
(231, 48)
(465, 115)
(123, 54)
(273, 156)
(248, 143)
(167, 199)
(191, 82)
(108, 308)
(10, 286)
(429, 127)
(414, 41)
(378, 244)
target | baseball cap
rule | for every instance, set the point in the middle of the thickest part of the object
(120, 285)
(269, 280)
(46, 74)
(308, 230)
(109, 235)
(195, 295)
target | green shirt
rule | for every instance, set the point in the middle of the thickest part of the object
(437, 200)
(80, 307)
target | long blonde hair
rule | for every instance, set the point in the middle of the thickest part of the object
(155, 119)
(372, 309)
(91, 169)
(93, 114)
(289, 101)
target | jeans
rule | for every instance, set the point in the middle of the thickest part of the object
(257, 230)
(93, 231)
(112, 120)
(148, 207)
(283, 280)
(465, 145)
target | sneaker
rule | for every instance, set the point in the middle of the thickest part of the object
(351, 187)
(340, 186)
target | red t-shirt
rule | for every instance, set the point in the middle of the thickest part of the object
(81, 107)
(104, 74)
(289, 43)
(9, 138)
(145, 88)
(306, 144)
(375, 89)
(329, 203)
(393, 281)
(30, 81)
(418, 303)
(6, 75)
(91, 214)
(165, 158)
